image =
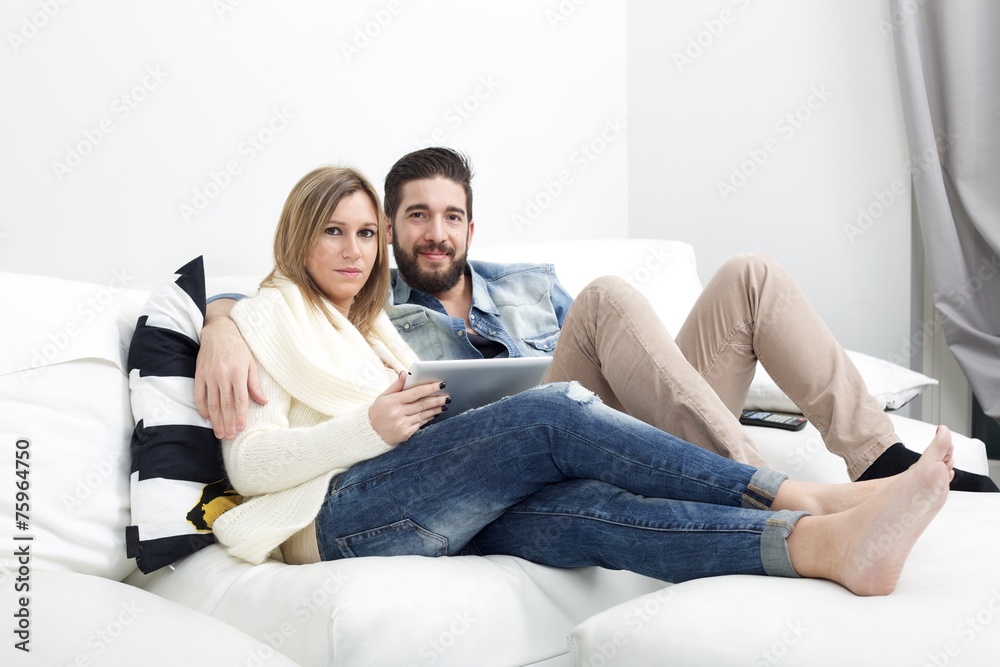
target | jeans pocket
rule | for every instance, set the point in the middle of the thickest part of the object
(402, 538)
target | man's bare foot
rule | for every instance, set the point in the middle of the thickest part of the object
(864, 548)
(819, 499)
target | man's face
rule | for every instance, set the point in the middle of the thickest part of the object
(430, 234)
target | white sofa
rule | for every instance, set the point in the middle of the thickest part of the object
(78, 600)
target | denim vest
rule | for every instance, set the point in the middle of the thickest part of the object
(521, 306)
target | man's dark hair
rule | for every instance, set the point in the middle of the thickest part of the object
(427, 163)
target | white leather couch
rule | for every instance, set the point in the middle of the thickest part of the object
(78, 600)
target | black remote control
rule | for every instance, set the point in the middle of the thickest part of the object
(772, 420)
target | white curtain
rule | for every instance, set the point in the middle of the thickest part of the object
(948, 56)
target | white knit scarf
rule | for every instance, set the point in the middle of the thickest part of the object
(331, 370)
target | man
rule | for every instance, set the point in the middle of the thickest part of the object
(608, 338)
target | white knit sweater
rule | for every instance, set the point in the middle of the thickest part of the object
(319, 382)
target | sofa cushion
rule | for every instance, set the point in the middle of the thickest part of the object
(945, 611)
(178, 482)
(82, 621)
(64, 393)
(398, 610)
(664, 271)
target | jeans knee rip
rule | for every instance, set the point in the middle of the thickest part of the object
(577, 392)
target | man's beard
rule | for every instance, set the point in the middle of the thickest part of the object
(427, 281)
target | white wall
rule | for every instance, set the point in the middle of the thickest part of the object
(569, 139)
(161, 99)
(766, 126)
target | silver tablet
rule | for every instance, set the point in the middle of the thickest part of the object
(472, 383)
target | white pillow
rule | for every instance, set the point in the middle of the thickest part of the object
(891, 385)
(72, 422)
(82, 620)
(64, 392)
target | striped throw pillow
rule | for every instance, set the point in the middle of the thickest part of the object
(178, 483)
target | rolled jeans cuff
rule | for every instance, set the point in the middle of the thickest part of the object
(760, 493)
(762, 488)
(774, 543)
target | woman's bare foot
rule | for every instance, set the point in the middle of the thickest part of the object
(818, 499)
(864, 548)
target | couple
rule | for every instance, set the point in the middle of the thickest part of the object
(335, 465)
(608, 339)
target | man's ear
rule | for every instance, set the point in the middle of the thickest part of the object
(472, 230)
(388, 231)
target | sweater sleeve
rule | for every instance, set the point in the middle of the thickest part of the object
(271, 455)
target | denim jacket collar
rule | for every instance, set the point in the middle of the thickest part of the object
(521, 306)
(481, 299)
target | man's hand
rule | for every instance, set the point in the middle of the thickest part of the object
(397, 413)
(225, 374)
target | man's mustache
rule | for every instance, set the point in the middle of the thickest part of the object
(435, 247)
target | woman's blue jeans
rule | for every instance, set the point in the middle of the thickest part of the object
(554, 476)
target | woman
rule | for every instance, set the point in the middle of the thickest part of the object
(335, 465)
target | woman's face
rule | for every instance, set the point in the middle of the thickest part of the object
(342, 257)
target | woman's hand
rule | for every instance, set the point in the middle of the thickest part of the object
(397, 413)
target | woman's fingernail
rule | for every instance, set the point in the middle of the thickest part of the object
(442, 385)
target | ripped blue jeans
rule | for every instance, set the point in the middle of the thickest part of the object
(554, 476)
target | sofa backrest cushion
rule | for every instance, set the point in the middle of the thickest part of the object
(664, 271)
(66, 421)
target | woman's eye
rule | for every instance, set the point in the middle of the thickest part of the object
(367, 233)
(332, 231)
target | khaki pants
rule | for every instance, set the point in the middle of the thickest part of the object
(613, 343)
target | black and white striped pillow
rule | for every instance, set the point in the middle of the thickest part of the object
(178, 483)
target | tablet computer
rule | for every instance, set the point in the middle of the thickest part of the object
(473, 383)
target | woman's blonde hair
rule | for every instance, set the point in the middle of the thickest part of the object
(307, 209)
